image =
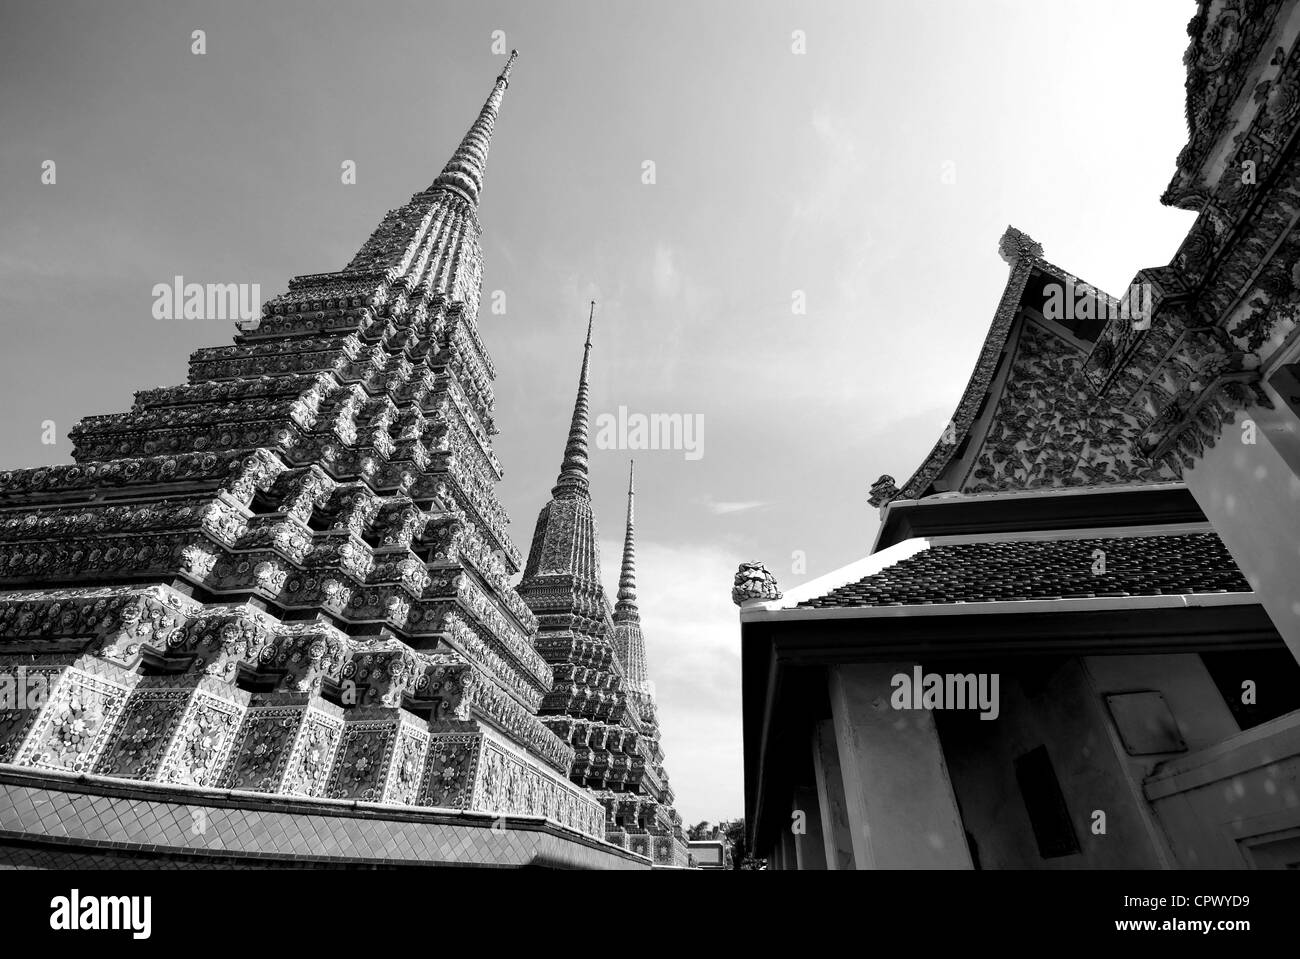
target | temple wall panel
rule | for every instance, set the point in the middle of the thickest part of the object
(1063, 714)
(900, 802)
(287, 745)
(76, 720)
(1236, 803)
(1251, 494)
(833, 813)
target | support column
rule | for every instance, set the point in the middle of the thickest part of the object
(809, 848)
(901, 808)
(1251, 495)
(836, 834)
(789, 859)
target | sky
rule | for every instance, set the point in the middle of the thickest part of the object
(859, 158)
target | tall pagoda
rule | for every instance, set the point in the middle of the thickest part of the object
(291, 576)
(601, 702)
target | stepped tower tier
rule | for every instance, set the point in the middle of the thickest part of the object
(599, 706)
(299, 553)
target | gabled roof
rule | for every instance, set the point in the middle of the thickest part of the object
(1028, 418)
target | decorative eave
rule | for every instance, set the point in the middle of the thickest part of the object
(1231, 60)
(1044, 510)
(1192, 421)
(1197, 358)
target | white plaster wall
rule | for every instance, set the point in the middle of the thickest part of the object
(1222, 806)
(1067, 717)
(1251, 495)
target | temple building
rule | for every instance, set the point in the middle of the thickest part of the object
(266, 616)
(713, 853)
(1074, 642)
(601, 702)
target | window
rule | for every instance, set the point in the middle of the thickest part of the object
(1048, 814)
(1273, 676)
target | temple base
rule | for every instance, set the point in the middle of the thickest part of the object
(57, 820)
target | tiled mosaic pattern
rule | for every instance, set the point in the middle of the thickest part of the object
(53, 825)
(74, 725)
(200, 731)
(381, 758)
(508, 784)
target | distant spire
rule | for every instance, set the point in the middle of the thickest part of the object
(626, 607)
(464, 171)
(573, 471)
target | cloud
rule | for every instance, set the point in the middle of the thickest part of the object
(723, 507)
(839, 169)
(667, 281)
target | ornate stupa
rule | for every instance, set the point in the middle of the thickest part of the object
(601, 702)
(290, 576)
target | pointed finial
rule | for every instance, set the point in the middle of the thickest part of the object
(573, 471)
(1015, 246)
(463, 173)
(505, 71)
(626, 608)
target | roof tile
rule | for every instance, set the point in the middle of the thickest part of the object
(988, 572)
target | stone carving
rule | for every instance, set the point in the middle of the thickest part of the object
(882, 491)
(1224, 41)
(1050, 431)
(753, 581)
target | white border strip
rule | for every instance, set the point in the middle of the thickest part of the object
(761, 614)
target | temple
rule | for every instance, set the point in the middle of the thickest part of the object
(601, 702)
(1074, 642)
(266, 617)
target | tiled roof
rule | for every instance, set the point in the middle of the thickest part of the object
(986, 572)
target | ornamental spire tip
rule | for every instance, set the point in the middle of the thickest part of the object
(573, 471)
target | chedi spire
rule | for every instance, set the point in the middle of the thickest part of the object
(626, 609)
(464, 171)
(572, 480)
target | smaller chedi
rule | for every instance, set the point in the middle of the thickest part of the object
(602, 703)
